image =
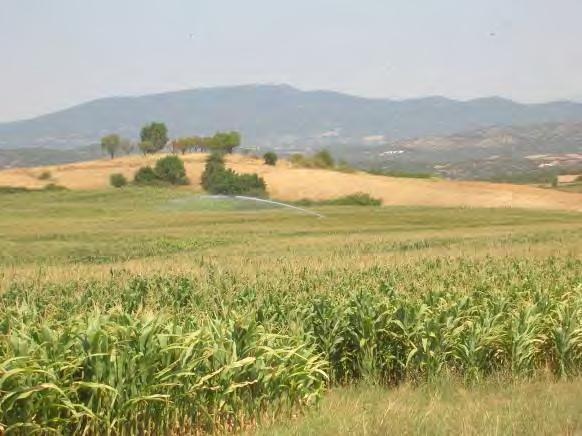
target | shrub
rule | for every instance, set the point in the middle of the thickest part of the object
(270, 158)
(216, 179)
(54, 187)
(402, 174)
(13, 189)
(117, 180)
(171, 169)
(323, 159)
(45, 175)
(357, 199)
(344, 167)
(298, 160)
(145, 176)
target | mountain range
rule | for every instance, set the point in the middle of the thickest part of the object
(278, 116)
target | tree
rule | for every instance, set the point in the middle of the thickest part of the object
(147, 147)
(225, 142)
(171, 169)
(270, 158)
(110, 144)
(156, 134)
(126, 146)
(183, 145)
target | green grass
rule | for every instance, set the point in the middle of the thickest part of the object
(147, 309)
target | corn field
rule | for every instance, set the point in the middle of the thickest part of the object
(178, 353)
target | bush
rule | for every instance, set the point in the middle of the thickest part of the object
(270, 158)
(19, 189)
(45, 175)
(357, 199)
(402, 174)
(298, 160)
(117, 180)
(54, 187)
(171, 169)
(13, 189)
(145, 176)
(216, 179)
(323, 159)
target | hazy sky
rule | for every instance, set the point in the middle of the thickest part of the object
(57, 53)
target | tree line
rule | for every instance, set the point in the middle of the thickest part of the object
(154, 138)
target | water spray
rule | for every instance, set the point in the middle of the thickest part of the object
(262, 200)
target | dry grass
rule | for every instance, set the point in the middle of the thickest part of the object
(288, 183)
(494, 408)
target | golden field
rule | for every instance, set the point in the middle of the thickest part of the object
(288, 183)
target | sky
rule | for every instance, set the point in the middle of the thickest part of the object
(58, 53)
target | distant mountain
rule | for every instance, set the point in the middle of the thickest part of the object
(278, 115)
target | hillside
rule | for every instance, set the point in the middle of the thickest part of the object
(533, 152)
(271, 115)
(288, 183)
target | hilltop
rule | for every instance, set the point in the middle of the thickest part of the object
(288, 183)
(277, 115)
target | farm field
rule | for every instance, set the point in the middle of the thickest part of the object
(153, 311)
(290, 184)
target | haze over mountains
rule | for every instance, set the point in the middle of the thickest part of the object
(278, 115)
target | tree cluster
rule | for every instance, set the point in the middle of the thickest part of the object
(221, 142)
(217, 179)
(114, 144)
(154, 138)
(169, 169)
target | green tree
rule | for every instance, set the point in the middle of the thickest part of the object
(171, 169)
(110, 144)
(225, 142)
(270, 158)
(156, 133)
(147, 147)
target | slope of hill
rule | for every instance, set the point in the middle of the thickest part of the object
(530, 152)
(37, 156)
(270, 115)
(288, 183)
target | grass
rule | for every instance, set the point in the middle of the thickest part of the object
(571, 187)
(492, 408)
(150, 310)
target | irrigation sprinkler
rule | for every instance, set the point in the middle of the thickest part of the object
(262, 200)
